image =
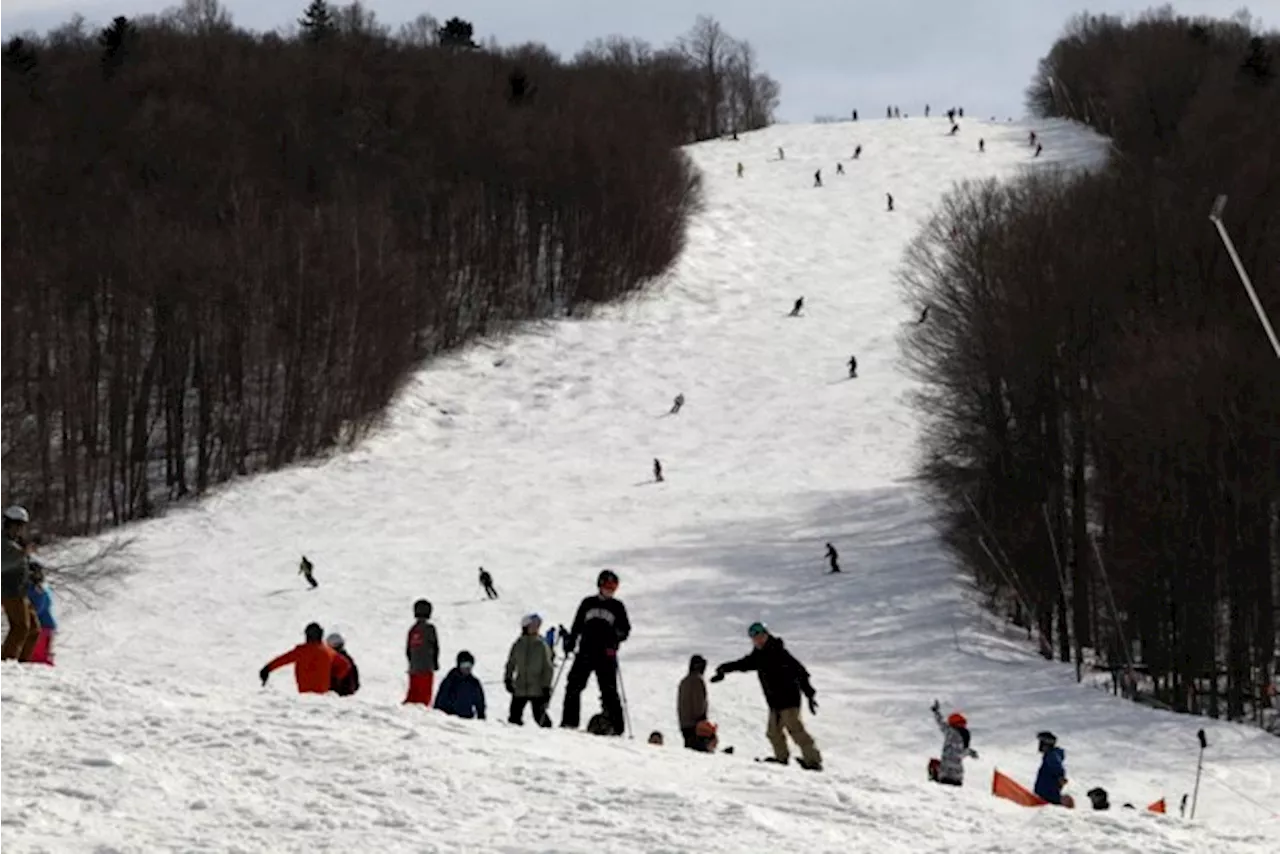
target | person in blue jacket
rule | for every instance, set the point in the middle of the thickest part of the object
(41, 598)
(461, 693)
(1053, 773)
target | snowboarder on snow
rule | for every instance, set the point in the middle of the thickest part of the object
(783, 679)
(306, 570)
(1053, 773)
(314, 663)
(797, 308)
(461, 693)
(677, 404)
(528, 674)
(833, 557)
(600, 625)
(657, 470)
(853, 367)
(486, 581)
(422, 648)
(955, 747)
(344, 686)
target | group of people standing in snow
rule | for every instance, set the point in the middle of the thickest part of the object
(28, 601)
(600, 626)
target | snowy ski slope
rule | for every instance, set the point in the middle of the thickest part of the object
(532, 456)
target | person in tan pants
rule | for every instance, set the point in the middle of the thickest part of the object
(783, 679)
(15, 575)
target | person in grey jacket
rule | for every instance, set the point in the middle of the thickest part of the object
(15, 577)
(955, 747)
(529, 672)
(422, 648)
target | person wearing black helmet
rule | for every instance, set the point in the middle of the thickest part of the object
(599, 627)
(783, 679)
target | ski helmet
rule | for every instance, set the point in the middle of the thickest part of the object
(756, 629)
(529, 619)
(1047, 739)
(607, 576)
(335, 640)
(956, 719)
(422, 609)
(17, 513)
(314, 633)
(465, 657)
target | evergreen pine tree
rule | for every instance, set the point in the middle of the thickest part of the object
(317, 22)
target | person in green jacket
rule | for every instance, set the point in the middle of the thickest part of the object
(529, 672)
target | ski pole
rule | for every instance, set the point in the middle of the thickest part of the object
(556, 681)
(1195, 793)
(626, 707)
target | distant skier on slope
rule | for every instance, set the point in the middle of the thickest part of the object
(422, 649)
(833, 557)
(857, 152)
(817, 178)
(853, 367)
(783, 679)
(657, 470)
(839, 168)
(677, 404)
(926, 111)
(855, 115)
(797, 308)
(955, 747)
(982, 146)
(599, 627)
(486, 581)
(889, 196)
(955, 129)
(307, 569)
(314, 663)
(782, 155)
(924, 314)
(1039, 148)
(741, 169)
(1053, 772)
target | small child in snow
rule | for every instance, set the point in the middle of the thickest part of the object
(42, 600)
(955, 747)
(461, 693)
(422, 648)
(1053, 773)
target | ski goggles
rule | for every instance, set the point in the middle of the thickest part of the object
(756, 629)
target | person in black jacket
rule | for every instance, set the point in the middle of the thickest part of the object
(600, 625)
(783, 678)
(348, 685)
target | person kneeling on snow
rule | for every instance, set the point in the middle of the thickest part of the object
(461, 693)
(315, 664)
(344, 686)
(955, 747)
(1053, 773)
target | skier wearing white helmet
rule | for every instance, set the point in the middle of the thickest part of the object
(343, 686)
(529, 671)
(15, 577)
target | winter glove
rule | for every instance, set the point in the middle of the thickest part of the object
(264, 674)
(813, 705)
(719, 677)
(510, 685)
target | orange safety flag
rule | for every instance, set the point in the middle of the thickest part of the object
(1009, 789)
(1158, 806)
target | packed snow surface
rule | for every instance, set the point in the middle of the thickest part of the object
(532, 456)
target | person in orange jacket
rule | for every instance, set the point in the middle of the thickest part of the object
(315, 664)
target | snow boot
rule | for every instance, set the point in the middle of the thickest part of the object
(809, 766)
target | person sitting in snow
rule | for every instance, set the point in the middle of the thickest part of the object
(1053, 772)
(315, 664)
(955, 747)
(344, 686)
(461, 693)
(42, 601)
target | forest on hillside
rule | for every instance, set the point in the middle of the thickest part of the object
(224, 251)
(1102, 404)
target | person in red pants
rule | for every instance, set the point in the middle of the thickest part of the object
(423, 651)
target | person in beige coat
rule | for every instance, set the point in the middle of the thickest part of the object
(529, 672)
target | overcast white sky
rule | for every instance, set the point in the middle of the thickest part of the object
(829, 55)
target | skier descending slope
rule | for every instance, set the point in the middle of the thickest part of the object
(600, 625)
(783, 678)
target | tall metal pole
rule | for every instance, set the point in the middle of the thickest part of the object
(1215, 216)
